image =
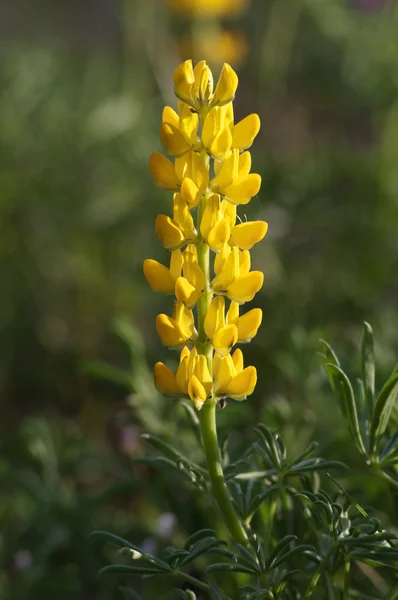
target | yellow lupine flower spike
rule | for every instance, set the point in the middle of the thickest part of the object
(210, 169)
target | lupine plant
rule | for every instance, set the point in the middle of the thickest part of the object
(288, 537)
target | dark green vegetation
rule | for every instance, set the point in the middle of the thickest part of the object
(77, 208)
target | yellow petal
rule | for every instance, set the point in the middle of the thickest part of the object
(169, 331)
(162, 170)
(192, 165)
(214, 319)
(183, 217)
(196, 392)
(173, 140)
(190, 192)
(237, 359)
(243, 189)
(192, 271)
(221, 144)
(248, 324)
(227, 173)
(244, 288)
(221, 257)
(245, 235)
(158, 277)
(229, 212)
(182, 372)
(226, 87)
(225, 338)
(184, 319)
(165, 380)
(233, 314)
(170, 116)
(219, 235)
(185, 292)
(245, 163)
(211, 215)
(192, 361)
(188, 122)
(244, 262)
(203, 82)
(169, 233)
(175, 264)
(201, 371)
(242, 384)
(228, 273)
(184, 80)
(245, 131)
(226, 371)
(217, 360)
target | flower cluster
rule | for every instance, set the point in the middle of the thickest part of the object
(210, 175)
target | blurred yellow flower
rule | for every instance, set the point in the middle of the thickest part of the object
(211, 9)
(216, 47)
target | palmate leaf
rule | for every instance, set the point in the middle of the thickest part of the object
(343, 389)
(381, 414)
(130, 570)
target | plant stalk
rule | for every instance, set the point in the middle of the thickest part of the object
(207, 414)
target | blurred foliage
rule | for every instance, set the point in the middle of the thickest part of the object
(79, 117)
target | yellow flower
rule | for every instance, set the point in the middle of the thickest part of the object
(233, 178)
(194, 86)
(215, 225)
(192, 379)
(218, 47)
(247, 325)
(208, 370)
(176, 232)
(220, 134)
(160, 278)
(189, 287)
(245, 235)
(222, 335)
(208, 8)
(233, 278)
(177, 330)
(178, 132)
(231, 379)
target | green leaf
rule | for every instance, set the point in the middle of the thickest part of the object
(199, 535)
(202, 547)
(278, 549)
(343, 389)
(368, 367)
(169, 451)
(229, 567)
(303, 549)
(381, 413)
(130, 570)
(215, 594)
(122, 543)
(329, 355)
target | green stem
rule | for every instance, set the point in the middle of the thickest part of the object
(207, 415)
(207, 418)
(199, 584)
(347, 565)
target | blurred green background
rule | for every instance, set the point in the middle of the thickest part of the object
(82, 87)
